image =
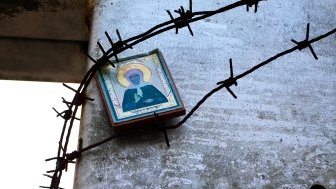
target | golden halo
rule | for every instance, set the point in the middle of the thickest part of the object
(123, 70)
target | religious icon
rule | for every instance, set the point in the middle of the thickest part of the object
(139, 93)
(138, 87)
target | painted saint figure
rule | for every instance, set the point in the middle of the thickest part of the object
(140, 93)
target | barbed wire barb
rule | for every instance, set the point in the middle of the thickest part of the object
(53, 158)
(122, 43)
(182, 20)
(117, 46)
(229, 81)
(104, 57)
(78, 99)
(50, 187)
(67, 114)
(68, 104)
(90, 57)
(101, 47)
(46, 175)
(67, 86)
(162, 125)
(306, 43)
(250, 3)
(112, 45)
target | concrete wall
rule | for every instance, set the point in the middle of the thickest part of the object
(279, 133)
(43, 40)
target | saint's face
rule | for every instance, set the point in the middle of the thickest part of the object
(135, 79)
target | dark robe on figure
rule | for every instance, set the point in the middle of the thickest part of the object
(149, 93)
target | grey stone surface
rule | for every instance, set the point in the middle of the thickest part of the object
(42, 60)
(45, 19)
(279, 133)
(43, 39)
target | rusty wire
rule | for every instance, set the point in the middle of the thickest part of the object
(183, 20)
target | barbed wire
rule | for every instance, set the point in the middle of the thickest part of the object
(183, 20)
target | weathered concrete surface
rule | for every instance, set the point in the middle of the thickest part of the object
(279, 133)
(42, 60)
(41, 19)
(43, 40)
